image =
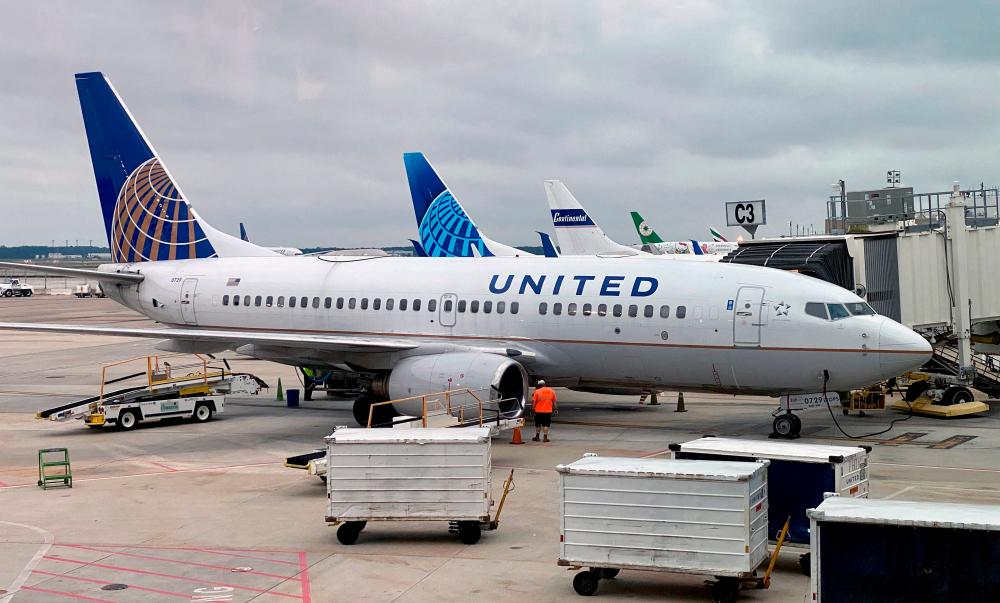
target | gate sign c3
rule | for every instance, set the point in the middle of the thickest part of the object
(745, 213)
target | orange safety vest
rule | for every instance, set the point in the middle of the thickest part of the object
(544, 398)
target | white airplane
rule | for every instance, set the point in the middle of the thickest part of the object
(655, 244)
(422, 325)
(576, 231)
(278, 250)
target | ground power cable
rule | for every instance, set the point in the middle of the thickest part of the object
(826, 379)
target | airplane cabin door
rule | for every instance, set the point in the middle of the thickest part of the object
(188, 288)
(448, 311)
(747, 318)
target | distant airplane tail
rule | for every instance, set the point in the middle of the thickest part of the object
(548, 247)
(243, 233)
(646, 233)
(146, 215)
(576, 232)
(717, 236)
(696, 248)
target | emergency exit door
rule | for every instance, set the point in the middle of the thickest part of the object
(747, 316)
(448, 311)
(188, 288)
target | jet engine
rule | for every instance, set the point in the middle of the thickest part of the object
(497, 380)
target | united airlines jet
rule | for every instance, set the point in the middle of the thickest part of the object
(420, 325)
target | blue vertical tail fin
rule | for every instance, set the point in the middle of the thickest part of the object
(146, 216)
(548, 248)
(243, 233)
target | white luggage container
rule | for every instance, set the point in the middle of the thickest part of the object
(797, 478)
(696, 517)
(895, 550)
(409, 475)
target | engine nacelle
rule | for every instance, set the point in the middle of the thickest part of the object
(492, 377)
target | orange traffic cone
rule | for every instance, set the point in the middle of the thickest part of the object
(517, 436)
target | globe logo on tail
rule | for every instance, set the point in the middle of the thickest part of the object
(446, 231)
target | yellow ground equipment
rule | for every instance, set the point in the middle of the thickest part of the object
(940, 395)
(862, 401)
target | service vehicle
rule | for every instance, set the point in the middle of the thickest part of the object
(88, 290)
(15, 288)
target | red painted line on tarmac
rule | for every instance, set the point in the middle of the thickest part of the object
(304, 578)
(130, 586)
(60, 593)
(152, 473)
(207, 550)
(4, 484)
(168, 468)
(168, 560)
(172, 576)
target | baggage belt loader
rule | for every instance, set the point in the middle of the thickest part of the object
(190, 391)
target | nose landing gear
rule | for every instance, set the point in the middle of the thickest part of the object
(787, 425)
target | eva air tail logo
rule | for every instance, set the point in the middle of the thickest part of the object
(644, 229)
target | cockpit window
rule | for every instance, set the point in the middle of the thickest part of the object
(817, 309)
(837, 311)
(860, 309)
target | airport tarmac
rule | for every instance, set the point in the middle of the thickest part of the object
(209, 512)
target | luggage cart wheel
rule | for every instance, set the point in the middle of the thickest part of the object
(469, 532)
(726, 590)
(349, 531)
(804, 564)
(585, 582)
(608, 573)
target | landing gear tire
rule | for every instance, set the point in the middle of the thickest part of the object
(382, 417)
(609, 572)
(957, 395)
(202, 413)
(128, 420)
(469, 532)
(585, 583)
(349, 531)
(726, 590)
(787, 425)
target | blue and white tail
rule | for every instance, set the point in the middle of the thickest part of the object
(146, 215)
(445, 229)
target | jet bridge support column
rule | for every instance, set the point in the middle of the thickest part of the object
(957, 240)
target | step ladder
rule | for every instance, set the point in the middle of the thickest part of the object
(44, 465)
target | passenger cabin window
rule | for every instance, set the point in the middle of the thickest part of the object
(543, 308)
(487, 307)
(448, 305)
(474, 306)
(557, 308)
(364, 303)
(416, 305)
(236, 300)
(461, 305)
(269, 301)
(328, 302)
(633, 311)
(501, 307)
(664, 311)
(291, 301)
(402, 304)
(588, 309)
(432, 305)
(281, 301)
(303, 302)
(352, 303)
(837, 311)
(225, 300)
(389, 303)
(377, 303)
(246, 300)
(682, 311)
(315, 302)
(514, 307)
(860, 309)
(616, 311)
(571, 309)
(257, 300)
(817, 309)
(647, 311)
(602, 310)
(340, 303)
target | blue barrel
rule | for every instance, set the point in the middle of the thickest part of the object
(292, 395)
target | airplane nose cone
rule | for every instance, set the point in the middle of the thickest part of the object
(900, 348)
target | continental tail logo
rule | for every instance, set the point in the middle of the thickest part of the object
(446, 231)
(570, 217)
(152, 221)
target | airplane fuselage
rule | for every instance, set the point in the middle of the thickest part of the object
(597, 323)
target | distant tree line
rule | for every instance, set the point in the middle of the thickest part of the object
(30, 252)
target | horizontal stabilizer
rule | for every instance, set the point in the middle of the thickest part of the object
(120, 277)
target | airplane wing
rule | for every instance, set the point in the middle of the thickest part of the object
(340, 343)
(122, 277)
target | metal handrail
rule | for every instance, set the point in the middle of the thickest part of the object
(445, 407)
(153, 368)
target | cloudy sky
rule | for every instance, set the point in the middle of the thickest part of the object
(293, 116)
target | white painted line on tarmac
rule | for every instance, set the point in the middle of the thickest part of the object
(35, 560)
(978, 470)
(152, 473)
(898, 492)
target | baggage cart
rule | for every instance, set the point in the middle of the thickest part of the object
(895, 550)
(683, 516)
(797, 477)
(410, 475)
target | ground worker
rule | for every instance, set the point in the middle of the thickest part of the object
(543, 405)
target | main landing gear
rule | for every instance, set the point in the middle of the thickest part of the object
(786, 425)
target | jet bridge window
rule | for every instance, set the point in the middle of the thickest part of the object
(837, 311)
(647, 311)
(269, 301)
(377, 303)
(682, 311)
(501, 307)
(487, 307)
(616, 311)
(474, 306)
(664, 311)
(389, 303)
(588, 309)
(860, 309)
(281, 301)
(432, 305)
(633, 311)
(225, 300)
(402, 304)
(543, 308)
(514, 307)
(817, 309)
